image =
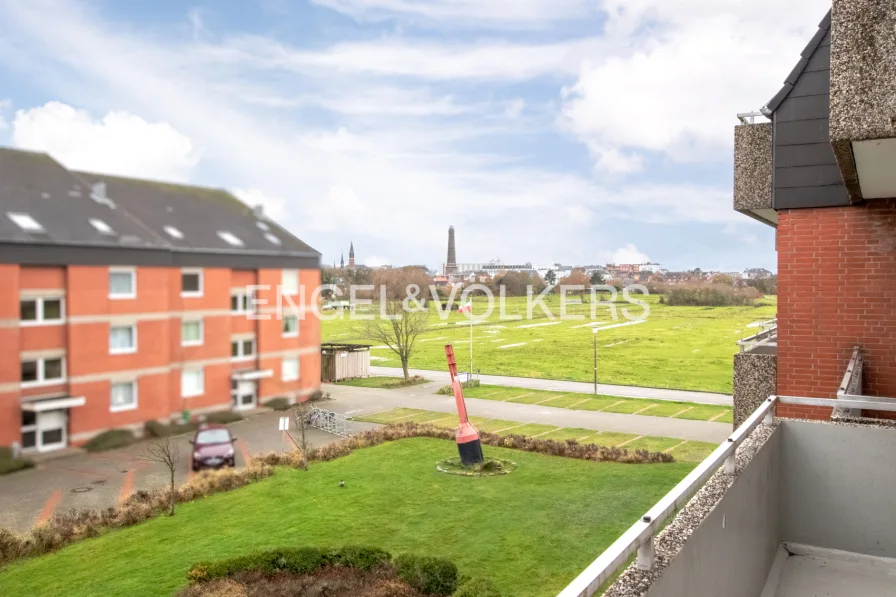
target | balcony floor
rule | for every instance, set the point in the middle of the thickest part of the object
(836, 575)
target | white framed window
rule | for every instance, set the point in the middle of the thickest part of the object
(289, 369)
(191, 332)
(123, 339)
(290, 326)
(41, 311)
(242, 348)
(101, 226)
(242, 301)
(123, 396)
(122, 283)
(174, 232)
(191, 282)
(192, 382)
(25, 222)
(230, 238)
(43, 371)
(289, 284)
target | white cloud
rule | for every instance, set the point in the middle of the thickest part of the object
(374, 261)
(476, 13)
(4, 105)
(683, 69)
(628, 254)
(274, 207)
(515, 108)
(119, 143)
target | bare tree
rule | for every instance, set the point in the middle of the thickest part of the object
(300, 416)
(403, 322)
(167, 453)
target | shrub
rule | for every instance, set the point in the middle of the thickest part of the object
(446, 391)
(360, 557)
(278, 404)
(109, 440)
(430, 576)
(8, 464)
(300, 560)
(223, 417)
(157, 429)
(318, 396)
(477, 587)
(707, 295)
(414, 380)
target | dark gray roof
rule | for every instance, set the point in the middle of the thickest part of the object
(137, 211)
(823, 28)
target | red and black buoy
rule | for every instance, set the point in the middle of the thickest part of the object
(468, 445)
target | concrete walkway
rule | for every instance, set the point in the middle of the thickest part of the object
(356, 401)
(554, 385)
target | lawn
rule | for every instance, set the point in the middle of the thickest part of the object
(393, 498)
(610, 404)
(676, 347)
(689, 451)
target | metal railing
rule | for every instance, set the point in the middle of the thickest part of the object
(749, 117)
(768, 336)
(640, 536)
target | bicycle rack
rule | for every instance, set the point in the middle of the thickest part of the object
(331, 422)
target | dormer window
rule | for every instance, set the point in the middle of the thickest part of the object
(25, 222)
(272, 239)
(262, 226)
(101, 226)
(230, 238)
(174, 232)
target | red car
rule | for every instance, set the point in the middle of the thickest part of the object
(213, 447)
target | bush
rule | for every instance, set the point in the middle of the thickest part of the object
(8, 464)
(318, 396)
(222, 417)
(109, 440)
(477, 587)
(708, 295)
(278, 404)
(156, 429)
(301, 560)
(446, 391)
(414, 380)
(430, 576)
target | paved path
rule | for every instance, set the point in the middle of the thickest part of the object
(102, 479)
(361, 401)
(571, 386)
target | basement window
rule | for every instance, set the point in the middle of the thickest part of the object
(174, 232)
(101, 226)
(230, 238)
(25, 222)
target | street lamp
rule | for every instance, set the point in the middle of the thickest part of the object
(595, 360)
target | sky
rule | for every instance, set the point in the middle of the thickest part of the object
(573, 131)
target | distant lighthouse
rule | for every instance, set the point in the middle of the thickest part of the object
(451, 263)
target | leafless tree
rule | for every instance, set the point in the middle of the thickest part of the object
(403, 322)
(167, 453)
(300, 417)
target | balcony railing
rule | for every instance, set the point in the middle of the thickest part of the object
(768, 336)
(639, 538)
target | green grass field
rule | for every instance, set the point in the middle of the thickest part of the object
(610, 404)
(573, 510)
(676, 347)
(687, 451)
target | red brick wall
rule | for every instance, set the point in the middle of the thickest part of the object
(837, 289)
(84, 336)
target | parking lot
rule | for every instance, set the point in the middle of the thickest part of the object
(99, 480)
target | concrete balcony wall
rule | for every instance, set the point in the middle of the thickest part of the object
(755, 379)
(840, 487)
(732, 550)
(753, 167)
(863, 95)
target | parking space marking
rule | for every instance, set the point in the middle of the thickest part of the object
(127, 486)
(244, 451)
(49, 507)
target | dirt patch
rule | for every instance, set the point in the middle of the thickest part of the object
(327, 582)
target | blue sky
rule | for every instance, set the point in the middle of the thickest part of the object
(581, 131)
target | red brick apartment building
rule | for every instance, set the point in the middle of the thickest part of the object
(823, 172)
(124, 301)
